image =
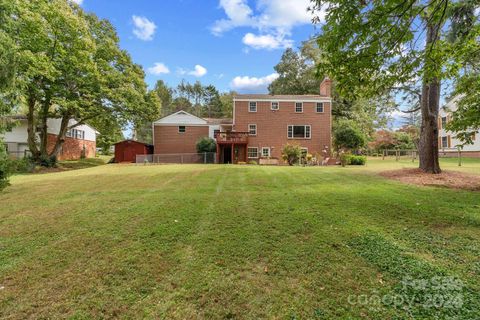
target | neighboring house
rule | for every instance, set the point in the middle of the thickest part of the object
(448, 143)
(179, 132)
(261, 126)
(81, 139)
(127, 150)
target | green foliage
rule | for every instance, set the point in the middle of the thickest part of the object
(5, 167)
(296, 75)
(24, 165)
(47, 161)
(206, 144)
(69, 64)
(347, 136)
(291, 153)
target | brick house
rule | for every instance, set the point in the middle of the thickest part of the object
(262, 124)
(447, 142)
(179, 132)
(81, 139)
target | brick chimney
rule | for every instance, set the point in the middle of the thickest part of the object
(326, 87)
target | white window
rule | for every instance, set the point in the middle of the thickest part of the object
(275, 106)
(181, 129)
(252, 152)
(299, 132)
(252, 129)
(265, 152)
(444, 142)
(75, 134)
(444, 122)
(299, 107)
(319, 107)
(252, 107)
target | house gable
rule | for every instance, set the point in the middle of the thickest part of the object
(181, 118)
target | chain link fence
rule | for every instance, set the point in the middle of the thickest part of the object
(180, 158)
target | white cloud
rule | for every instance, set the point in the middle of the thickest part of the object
(79, 2)
(247, 83)
(268, 41)
(144, 29)
(159, 68)
(274, 20)
(199, 71)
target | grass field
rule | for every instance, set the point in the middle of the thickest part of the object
(238, 242)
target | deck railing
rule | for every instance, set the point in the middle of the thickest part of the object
(231, 137)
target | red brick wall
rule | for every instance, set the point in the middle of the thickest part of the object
(167, 139)
(272, 125)
(465, 154)
(72, 148)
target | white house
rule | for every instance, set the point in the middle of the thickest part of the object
(80, 140)
(448, 143)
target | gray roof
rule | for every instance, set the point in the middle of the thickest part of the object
(306, 97)
(218, 120)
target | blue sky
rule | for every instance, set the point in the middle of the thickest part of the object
(233, 44)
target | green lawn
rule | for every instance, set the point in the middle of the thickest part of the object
(237, 242)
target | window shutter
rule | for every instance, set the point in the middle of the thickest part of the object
(439, 120)
(449, 141)
(439, 142)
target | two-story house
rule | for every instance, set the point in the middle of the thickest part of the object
(263, 124)
(447, 142)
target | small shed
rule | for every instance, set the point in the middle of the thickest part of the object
(127, 150)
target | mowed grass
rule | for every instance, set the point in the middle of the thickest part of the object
(235, 242)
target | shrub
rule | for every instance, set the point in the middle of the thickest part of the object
(358, 160)
(5, 168)
(47, 161)
(350, 159)
(291, 153)
(24, 165)
(252, 162)
(206, 144)
(347, 136)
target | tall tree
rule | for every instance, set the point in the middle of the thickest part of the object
(71, 66)
(372, 46)
(296, 75)
(165, 94)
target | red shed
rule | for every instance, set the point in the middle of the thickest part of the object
(126, 151)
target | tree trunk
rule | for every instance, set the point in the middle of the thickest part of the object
(428, 151)
(31, 130)
(60, 137)
(428, 146)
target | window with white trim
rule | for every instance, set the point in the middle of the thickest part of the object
(182, 129)
(444, 122)
(444, 142)
(75, 134)
(252, 152)
(252, 106)
(319, 107)
(299, 132)
(265, 152)
(252, 129)
(298, 107)
(275, 106)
